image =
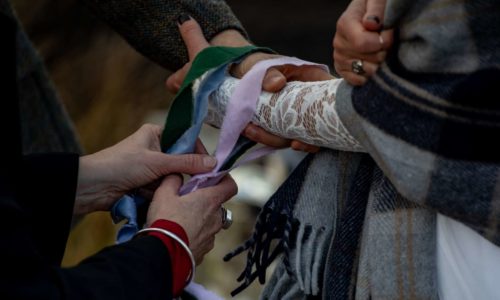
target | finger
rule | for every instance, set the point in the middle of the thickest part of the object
(175, 80)
(304, 73)
(220, 193)
(259, 135)
(387, 38)
(239, 70)
(353, 79)
(146, 137)
(273, 81)
(193, 37)
(165, 164)
(344, 65)
(360, 42)
(355, 10)
(347, 52)
(199, 148)
(350, 22)
(301, 146)
(170, 185)
(345, 71)
(374, 16)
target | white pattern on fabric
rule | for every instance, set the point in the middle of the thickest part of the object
(303, 111)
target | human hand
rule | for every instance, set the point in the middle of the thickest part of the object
(199, 212)
(133, 163)
(360, 37)
(274, 80)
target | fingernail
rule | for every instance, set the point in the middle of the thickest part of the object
(209, 161)
(275, 78)
(183, 18)
(374, 19)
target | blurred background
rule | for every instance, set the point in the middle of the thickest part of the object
(109, 90)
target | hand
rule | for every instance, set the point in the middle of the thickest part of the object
(199, 212)
(135, 162)
(360, 36)
(274, 80)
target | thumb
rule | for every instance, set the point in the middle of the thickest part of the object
(192, 35)
(174, 81)
(274, 81)
(374, 16)
(184, 163)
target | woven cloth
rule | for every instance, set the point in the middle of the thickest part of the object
(427, 121)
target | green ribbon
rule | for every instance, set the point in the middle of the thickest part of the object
(179, 118)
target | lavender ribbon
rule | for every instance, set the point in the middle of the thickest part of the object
(239, 113)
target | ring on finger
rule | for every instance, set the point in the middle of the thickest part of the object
(227, 217)
(357, 67)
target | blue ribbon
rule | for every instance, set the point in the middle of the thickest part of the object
(126, 207)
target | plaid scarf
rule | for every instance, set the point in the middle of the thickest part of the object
(428, 122)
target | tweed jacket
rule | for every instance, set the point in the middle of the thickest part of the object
(149, 26)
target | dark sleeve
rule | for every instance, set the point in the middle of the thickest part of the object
(150, 26)
(139, 269)
(36, 203)
(34, 231)
(47, 195)
(427, 121)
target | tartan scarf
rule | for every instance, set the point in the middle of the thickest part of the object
(427, 120)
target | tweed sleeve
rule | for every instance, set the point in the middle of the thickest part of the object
(150, 26)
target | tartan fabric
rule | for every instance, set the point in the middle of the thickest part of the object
(428, 121)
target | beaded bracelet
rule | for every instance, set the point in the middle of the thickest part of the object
(178, 240)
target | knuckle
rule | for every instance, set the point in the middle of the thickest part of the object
(359, 44)
(211, 245)
(150, 128)
(337, 43)
(341, 23)
(232, 188)
(296, 147)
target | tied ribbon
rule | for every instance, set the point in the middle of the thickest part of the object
(183, 108)
(240, 110)
(180, 133)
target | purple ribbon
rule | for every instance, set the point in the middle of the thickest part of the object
(239, 113)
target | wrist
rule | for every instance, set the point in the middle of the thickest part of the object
(175, 239)
(229, 38)
(92, 191)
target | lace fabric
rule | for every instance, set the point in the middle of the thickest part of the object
(303, 111)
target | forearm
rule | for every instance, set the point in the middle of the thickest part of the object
(150, 26)
(303, 111)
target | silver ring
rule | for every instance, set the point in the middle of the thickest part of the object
(357, 67)
(227, 218)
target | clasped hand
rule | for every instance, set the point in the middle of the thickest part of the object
(136, 163)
